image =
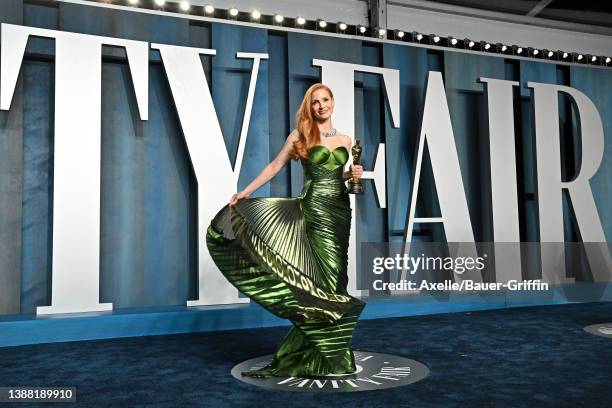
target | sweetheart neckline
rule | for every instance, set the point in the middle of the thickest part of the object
(330, 154)
(328, 149)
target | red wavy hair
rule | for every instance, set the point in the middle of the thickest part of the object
(308, 132)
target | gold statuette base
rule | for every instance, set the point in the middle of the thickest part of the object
(355, 186)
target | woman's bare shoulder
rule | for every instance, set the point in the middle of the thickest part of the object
(346, 140)
(293, 136)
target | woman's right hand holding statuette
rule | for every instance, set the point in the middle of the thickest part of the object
(354, 183)
(356, 171)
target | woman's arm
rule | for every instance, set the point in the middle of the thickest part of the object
(269, 171)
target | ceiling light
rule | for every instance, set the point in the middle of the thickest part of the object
(184, 5)
(208, 9)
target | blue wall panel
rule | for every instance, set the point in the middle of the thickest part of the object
(37, 184)
(145, 196)
(149, 236)
(11, 186)
(461, 71)
(468, 112)
(597, 85)
(278, 109)
(530, 72)
(536, 72)
(230, 83)
(401, 143)
(370, 107)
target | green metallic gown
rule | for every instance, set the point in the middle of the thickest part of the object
(290, 256)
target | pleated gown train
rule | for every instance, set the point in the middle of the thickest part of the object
(290, 256)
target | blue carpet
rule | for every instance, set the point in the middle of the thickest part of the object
(522, 357)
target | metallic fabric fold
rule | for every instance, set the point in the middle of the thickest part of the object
(290, 256)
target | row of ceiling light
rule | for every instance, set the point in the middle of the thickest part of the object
(185, 6)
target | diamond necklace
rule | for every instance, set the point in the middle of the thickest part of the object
(329, 133)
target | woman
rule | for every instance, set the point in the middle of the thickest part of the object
(290, 254)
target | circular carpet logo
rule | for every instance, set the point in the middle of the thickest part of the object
(375, 371)
(600, 329)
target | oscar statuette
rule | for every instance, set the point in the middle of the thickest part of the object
(354, 185)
